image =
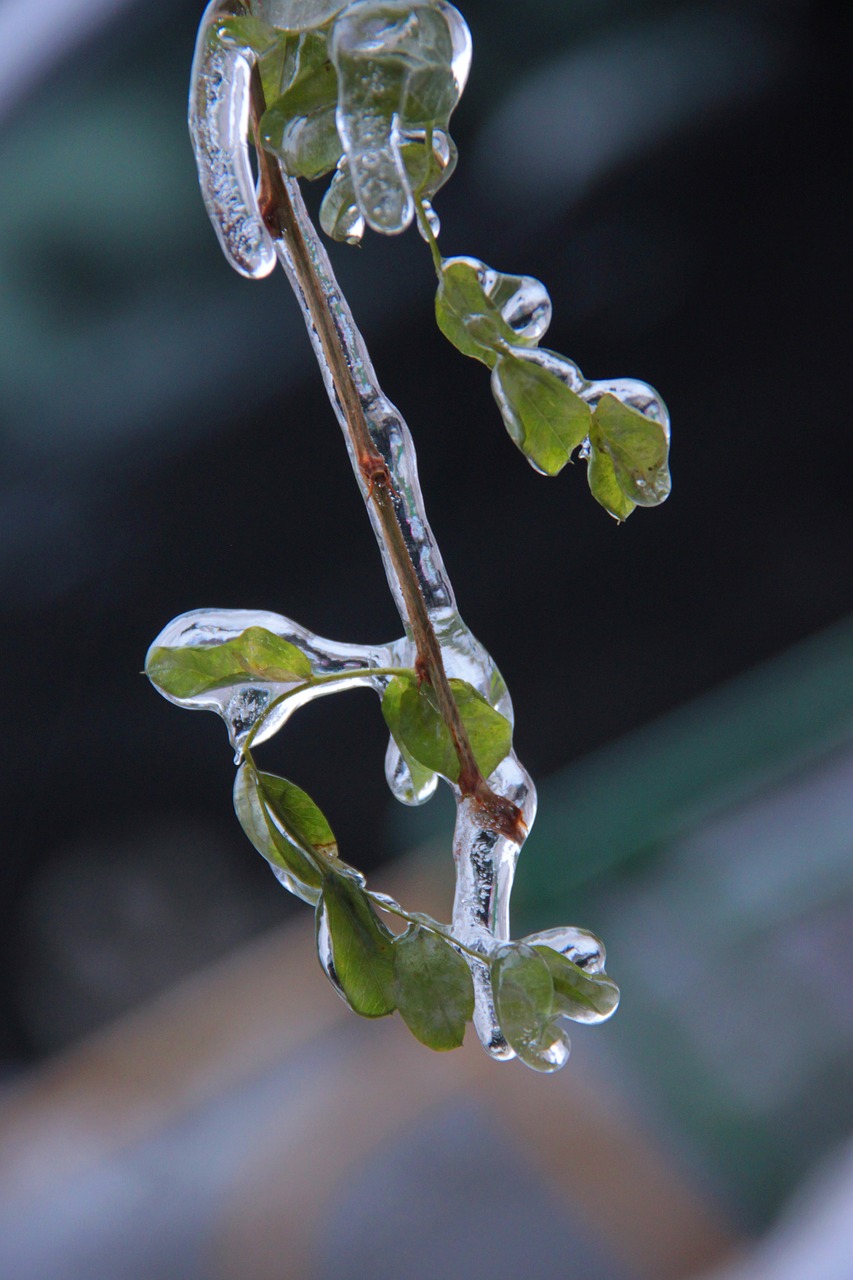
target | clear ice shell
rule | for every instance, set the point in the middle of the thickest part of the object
(297, 15)
(461, 40)
(578, 945)
(219, 126)
(637, 395)
(377, 48)
(241, 705)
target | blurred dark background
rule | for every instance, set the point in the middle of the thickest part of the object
(672, 171)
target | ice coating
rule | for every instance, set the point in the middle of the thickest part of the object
(373, 185)
(460, 38)
(381, 49)
(296, 15)
(242, 704)
(219, 127)
(578, 945)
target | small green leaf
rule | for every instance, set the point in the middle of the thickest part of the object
(638, 448)
(468, 309)
(435, 994)
(412, 715)
(256, 654)
(302, 821)
(523, 992)
(583, 997)
(360, 957)
(544, 417)
(603, 485)
(303, 868)
(308, 145)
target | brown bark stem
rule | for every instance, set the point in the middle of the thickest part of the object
(277, 212)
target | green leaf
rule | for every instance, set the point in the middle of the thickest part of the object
(360, 958)
(468, 309)
(434, 991)
(581, 996)
(523, 991)
(603, 485)
(303, 868)
(256, 654)
(638, 448)
(412, 715)
(302, 821)
(544, 417)
(308, 146)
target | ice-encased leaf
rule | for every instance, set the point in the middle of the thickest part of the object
(394, 64)
(297, 15)
(434, 990)
(604, 487)
(276, 837)
(524, 998)
(340, 216)
(256, 654)
(219, 126)
(355, 949)
(544, 417)
(579, 995)
(299, 125)
(638, 447)
(412, 715)
(485, 312)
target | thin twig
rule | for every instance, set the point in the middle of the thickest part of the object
(501, 814)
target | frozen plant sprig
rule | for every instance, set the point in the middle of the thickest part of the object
(365, 91)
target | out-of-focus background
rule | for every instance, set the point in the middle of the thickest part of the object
(181, 1094)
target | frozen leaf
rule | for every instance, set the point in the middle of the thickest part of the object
(544, 417)
(579, 995)
(394, 63)
(275, 815)
(638, 448)
(484, 312)
(525, 1003)
(257, 654)
(355, 948)
(604, 487)
(340, 217)
(434, 990)
(412, 715)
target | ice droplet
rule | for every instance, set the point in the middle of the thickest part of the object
(219, 123)
(400, 780)
(578, 945)
(433, 221)
(324, 949)
(528, 310)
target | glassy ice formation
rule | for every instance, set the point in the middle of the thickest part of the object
(364, 91)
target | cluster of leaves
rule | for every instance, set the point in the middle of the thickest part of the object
(548, 408)
(421, 973)
(364, 90)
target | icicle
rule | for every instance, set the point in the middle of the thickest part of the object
(219, 125)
